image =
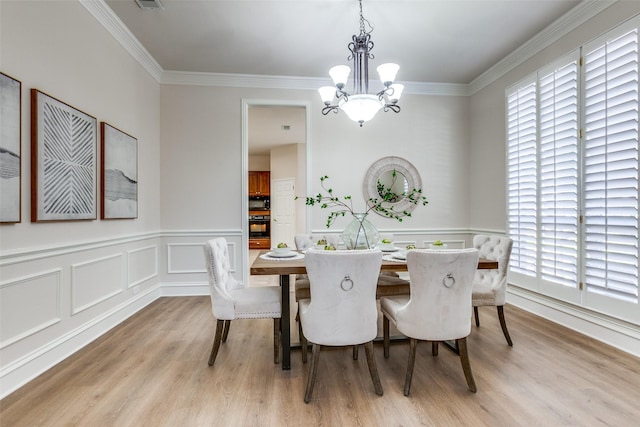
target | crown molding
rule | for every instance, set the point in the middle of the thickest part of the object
(551, 34)
(577, 16)
(291, 82)
(110, 21)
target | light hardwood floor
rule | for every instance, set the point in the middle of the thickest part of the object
(152, 371)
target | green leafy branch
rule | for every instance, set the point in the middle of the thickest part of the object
(342, 205)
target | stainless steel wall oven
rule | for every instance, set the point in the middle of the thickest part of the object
(259, 226)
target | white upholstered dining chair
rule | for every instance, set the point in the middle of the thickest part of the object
(490, 286)
(342, 310)
(231, 300)
(439, 306)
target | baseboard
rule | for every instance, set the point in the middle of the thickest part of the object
(185, 289)
(30, 366)
(614, 332)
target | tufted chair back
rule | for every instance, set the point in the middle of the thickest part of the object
(496, 248)
(221, 282)
(343, 309)
(440, 301)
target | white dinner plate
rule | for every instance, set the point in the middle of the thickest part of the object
(390, 250)
(277, 255)
(400, 256)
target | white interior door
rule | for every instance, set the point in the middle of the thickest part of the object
(283, 211)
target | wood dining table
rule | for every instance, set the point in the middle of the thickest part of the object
(285, 267)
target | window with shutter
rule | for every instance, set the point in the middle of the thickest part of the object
(611, 167)
(558, 157)
(522, 172)
(572, 141)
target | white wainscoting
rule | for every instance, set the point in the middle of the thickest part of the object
(186, 270)
(72, 294)
(28, 305)
(142, 265)
(95, 281)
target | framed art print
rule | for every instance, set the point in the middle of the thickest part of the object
(10, 148)
(63, 161)
(118, 174)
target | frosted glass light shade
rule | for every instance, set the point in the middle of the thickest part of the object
(340, 74)
(397, 92)
(327, 93)
(388, 72)
(361, 108)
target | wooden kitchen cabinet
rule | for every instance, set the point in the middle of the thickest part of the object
(259, 183)
(260, 243)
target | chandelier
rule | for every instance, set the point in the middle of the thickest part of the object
(361, 106)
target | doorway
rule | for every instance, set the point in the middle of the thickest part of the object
(276, 139)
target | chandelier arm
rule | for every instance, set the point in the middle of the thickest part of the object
(329, 108)
(393, 107)
(342, 94)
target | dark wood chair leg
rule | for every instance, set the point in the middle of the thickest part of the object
(413, 343)
(466, 366)
(313, 371)
(434, 348)
(303, 343)
(503, 323)
(225, 334)
(276, 340)
(355, 352)
(475, 314)
(385, 333)
(216, 341)
(373, 368)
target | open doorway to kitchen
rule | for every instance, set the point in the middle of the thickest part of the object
(276, 148)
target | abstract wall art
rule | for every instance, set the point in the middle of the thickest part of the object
(63, 161)
(118, 174)
(10, 149)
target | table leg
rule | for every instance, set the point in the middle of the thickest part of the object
(285, 323)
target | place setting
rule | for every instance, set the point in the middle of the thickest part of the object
(282, 252)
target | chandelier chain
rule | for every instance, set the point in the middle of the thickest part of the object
(363, 29)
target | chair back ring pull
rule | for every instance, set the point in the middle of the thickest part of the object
(348, 282)
(449, 280)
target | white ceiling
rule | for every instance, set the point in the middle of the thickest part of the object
(433, 41)
(438, 41)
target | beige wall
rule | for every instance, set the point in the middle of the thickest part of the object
(201, 143)
(58, 48)
(260, 163)
(65, 283)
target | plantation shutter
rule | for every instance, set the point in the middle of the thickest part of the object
(558, 174)
(522, 180)
(611, 168)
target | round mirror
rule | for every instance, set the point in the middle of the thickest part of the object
(392, 185)
(390, 179)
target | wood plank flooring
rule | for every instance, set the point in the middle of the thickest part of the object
(152, 371)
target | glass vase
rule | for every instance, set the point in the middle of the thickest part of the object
(360, 233)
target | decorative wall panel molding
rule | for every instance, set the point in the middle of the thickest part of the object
(189, 258)
(142, 265)
(95, 281)
(28, 305)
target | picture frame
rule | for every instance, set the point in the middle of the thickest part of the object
(10, 149)
(118, 173)
(63, 161)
